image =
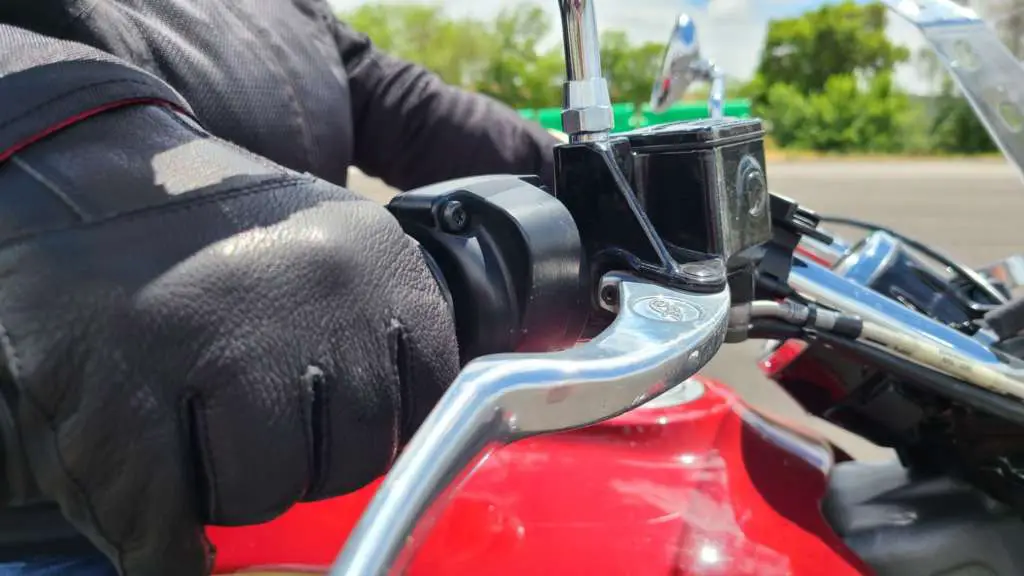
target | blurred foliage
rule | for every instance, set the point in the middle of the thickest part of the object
(824, 79)
(845, 39)
(841, 117)
(950, 123)
(506, 58)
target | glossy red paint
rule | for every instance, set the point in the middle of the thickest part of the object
(780, 358)
(796, 373)
(704, 487)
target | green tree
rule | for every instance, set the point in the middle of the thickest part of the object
(843, 117)
(456, 50)
(824, 81)
(836, 39)
(519, 72)
(630, 69)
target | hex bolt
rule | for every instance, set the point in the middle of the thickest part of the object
(454, 218)
(610, 296)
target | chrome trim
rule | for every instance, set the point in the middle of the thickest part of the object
(831, 253)
(869, 259)
(586, 105)
(988, 74)
(660, 338)
(682, 65)
(993, 376)
(827, 287)
(908, 334)
(716, 95)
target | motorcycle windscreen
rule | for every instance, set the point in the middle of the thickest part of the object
(987, 73)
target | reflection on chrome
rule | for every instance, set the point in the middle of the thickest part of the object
(660, 338)
(909, 334)
(829, 253)
(826, 287)
(870, 259)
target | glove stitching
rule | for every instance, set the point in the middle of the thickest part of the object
(45, 182)
(75, 483)
(66, 95)
(172, 207)
(205, 475)
(186, 122)
(10, 353)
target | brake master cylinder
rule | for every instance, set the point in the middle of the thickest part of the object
(685, 202)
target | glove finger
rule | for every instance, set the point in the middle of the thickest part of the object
(139, 534)
(251, 445)
(375, 384)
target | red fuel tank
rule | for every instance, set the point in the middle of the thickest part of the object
(694, 483)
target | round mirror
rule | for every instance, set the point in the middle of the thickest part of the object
(677, 69)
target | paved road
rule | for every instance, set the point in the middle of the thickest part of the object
(973, 210)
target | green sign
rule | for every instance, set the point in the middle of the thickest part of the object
(627, 117)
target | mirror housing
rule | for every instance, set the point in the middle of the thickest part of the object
(679, 67)
(683, 65)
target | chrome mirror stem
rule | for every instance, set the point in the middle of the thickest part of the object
(586, 106)
(716, 96)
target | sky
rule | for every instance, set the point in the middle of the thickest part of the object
(731, 32)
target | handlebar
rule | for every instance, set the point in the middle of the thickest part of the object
(660, 337)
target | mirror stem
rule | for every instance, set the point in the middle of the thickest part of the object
(716, 97)
(587, 111)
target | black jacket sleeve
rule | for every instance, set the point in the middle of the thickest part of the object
(412, 129)
(191, 334)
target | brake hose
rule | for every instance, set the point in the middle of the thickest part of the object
(923, 351)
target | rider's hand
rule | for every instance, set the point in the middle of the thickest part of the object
(195, 335)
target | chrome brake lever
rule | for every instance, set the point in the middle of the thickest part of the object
(659, 338)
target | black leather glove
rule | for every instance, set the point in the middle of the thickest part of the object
(194, 335)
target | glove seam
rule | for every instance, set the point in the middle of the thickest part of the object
(172, 207)
(75, 483)
(396, 336)
(65, 95)
(10, 352)
(205, 478)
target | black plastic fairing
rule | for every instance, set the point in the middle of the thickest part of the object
(931, 526)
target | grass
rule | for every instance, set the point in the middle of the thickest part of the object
(773, 153)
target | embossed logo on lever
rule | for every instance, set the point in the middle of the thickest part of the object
(666, 309)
